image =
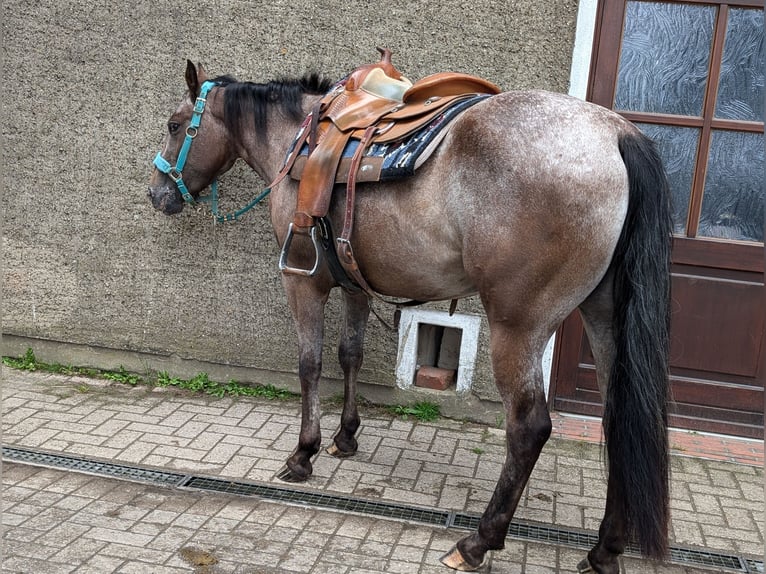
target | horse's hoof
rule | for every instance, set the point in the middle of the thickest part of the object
(337, 453)
(454, 559)
(585, 567)
(289, 475)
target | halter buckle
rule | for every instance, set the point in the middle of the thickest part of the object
(199, 105)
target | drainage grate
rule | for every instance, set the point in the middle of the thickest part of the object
(321, 500)
(465, 521)
(707, 558)
(586, 540)
(87, 466)
(536, 532)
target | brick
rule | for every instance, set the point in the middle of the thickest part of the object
(435, 378)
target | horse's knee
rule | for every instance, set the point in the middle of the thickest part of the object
(530, 422)
(309, 367)
(350, 357)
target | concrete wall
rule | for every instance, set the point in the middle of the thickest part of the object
(91, 274)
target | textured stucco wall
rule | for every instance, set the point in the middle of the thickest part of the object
(88, 88)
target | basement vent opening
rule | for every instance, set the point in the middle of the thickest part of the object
(437, 350)
(438, 357)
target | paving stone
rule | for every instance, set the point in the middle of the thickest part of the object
(17, 564)
(79, 552)
(85, 523)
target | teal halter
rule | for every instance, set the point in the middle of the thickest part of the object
(175, 173)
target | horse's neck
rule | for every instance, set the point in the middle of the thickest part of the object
(266, 156)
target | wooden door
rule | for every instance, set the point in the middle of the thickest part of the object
(691, 76)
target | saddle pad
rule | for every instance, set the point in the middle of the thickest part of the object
(392, 160)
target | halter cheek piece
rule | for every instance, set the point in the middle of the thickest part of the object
(176, 173)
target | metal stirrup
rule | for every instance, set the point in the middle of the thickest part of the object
(285, 268)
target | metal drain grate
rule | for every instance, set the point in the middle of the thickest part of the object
(321, 500)
(707, 558)
(465, 521)
(586, 540)
(87, 466)
(536, 532)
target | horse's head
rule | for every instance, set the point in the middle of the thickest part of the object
(196, 148)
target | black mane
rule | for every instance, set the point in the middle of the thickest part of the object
(244, 100)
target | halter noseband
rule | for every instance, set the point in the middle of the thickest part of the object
(175, 173)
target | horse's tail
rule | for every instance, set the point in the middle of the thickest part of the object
(635, 418)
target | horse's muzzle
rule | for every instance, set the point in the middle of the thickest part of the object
(165, 199)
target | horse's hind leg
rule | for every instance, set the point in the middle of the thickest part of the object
(350, 354)
(307, 306)
(596, 312)
(516, 360)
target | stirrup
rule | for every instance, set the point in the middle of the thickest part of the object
(285, 268)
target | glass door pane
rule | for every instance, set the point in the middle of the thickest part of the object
(665, 58)
(678, 149)
(732, 207)
(740, 89)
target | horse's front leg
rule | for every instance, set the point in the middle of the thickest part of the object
(518, 377)
(350, 355)
(306, 302)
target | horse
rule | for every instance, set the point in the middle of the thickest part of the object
(537, 202)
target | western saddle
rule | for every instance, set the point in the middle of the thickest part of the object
(373, 104)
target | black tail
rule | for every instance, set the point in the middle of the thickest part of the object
(635, 418)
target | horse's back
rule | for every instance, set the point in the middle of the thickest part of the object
(538, 133)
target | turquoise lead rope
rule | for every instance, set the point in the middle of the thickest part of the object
(176, 173)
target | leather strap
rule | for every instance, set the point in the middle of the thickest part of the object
(348, 223)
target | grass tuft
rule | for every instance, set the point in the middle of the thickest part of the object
(423, 411)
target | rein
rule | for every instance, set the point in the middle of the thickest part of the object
(176, 173)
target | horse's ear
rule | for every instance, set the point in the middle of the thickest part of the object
(201, 74)
(195, 77)
(192, 81)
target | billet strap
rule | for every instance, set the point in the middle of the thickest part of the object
(345, 251)
(364, 142)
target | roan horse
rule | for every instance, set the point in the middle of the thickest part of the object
(537, 202)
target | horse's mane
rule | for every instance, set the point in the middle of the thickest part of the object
(243, 100)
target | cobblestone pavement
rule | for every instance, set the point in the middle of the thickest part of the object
(61, 521)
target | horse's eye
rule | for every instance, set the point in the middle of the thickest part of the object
(173, 127)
